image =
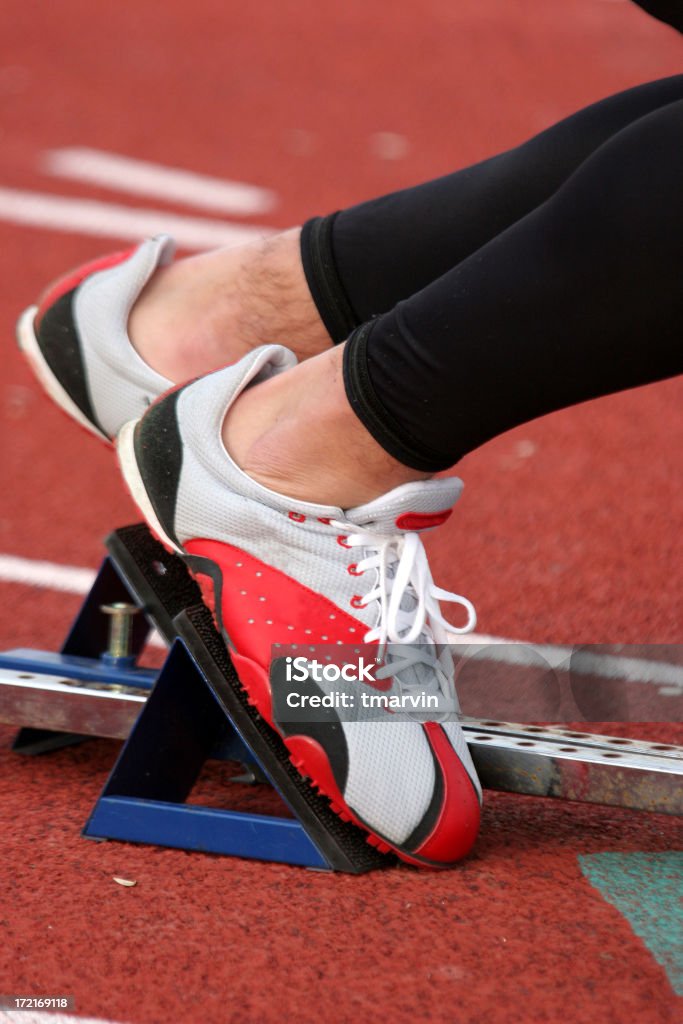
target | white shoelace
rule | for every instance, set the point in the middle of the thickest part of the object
(403, 570)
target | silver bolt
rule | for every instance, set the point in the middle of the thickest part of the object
(120, 627)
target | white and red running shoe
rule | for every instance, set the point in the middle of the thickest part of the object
(76, 341)
(293, 573)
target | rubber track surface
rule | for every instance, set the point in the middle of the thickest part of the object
(568, 531)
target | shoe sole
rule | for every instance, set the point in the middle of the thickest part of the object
(28, 344)
(125, 450)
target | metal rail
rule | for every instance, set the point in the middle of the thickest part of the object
(568, 765)
(532, 760)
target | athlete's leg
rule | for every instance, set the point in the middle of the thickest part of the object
(199, 314)
(364, 260)
(205, 312)
(580, 298)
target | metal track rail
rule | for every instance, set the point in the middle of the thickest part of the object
(532, 760)
(60, 704)
(590, 768)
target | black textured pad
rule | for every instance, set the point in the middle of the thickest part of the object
(173, 600)
(159, 579)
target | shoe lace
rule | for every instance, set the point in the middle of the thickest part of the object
(410, 623)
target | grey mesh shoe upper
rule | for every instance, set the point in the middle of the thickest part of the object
(78, 346)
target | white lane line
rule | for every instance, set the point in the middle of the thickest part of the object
(51, 576)
(108, 220)
(141, 178)
(583, 661)
(39, 1017)
(67, 578)
(73, 580)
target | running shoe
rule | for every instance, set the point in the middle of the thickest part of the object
(76, 340)
(295, 574)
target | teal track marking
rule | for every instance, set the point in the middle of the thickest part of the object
(647, 888)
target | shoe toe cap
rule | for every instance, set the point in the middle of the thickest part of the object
(407, 783)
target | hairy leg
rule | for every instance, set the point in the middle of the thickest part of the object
(206, 311)
(579, 299)
(305, 291)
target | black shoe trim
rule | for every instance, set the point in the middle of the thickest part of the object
(322, 725)
(58, 341)
(159, 458)
(431, 815)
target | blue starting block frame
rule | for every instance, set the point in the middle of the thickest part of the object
(179, 728)
(195, 710)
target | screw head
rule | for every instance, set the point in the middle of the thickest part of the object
(120, 608)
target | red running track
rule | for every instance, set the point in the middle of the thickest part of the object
(568, 531)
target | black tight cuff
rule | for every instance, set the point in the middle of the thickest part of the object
(363, 399)
(323, 278)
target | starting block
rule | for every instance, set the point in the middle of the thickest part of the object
(174, 719)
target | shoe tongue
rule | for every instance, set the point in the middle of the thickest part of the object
(416, 506)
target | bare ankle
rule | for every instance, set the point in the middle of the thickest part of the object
(285, 434)
(208, 311)
(274, 302)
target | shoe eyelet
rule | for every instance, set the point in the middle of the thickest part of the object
(357, 601)
(353, 570)
(341, 539)
(297, 517)
(325, 520)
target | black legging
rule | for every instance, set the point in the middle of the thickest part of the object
(542, 277)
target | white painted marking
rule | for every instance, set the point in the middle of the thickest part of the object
(585, 662)
(107, 220)
(141, 178)
(71, 579)
(52, 576)
(34, 573)
(37, 1017)
(389, 145)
